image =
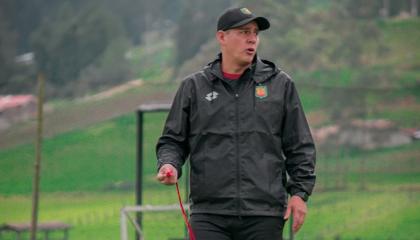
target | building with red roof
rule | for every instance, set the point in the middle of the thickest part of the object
(16, 108)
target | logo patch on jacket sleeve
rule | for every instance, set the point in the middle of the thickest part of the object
(261, 91)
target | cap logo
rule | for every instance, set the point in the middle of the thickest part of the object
(246, 11)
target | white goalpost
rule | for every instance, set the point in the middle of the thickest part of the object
(127, 212)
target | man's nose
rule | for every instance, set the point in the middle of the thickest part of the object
(252, 38)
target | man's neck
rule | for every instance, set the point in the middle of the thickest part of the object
(233, 68)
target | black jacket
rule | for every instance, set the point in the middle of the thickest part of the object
(241, 143)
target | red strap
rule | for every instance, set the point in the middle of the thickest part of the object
(190, 231)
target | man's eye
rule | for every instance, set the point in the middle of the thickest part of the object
(245, 32)
(248, 32)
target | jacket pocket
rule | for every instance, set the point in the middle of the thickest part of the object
(212, 174)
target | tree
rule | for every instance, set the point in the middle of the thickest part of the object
(414, 8)
(24, 17)
(407, 6)
(72, 40)
(140, 16)
(196, 26)
(384, 11)
(7, 53)
(364, 9)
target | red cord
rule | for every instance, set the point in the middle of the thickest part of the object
(190, 230)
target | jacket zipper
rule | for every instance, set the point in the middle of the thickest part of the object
(238, 168)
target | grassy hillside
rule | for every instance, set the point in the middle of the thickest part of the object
(396, 71)
(65, 115)
(81, 160)
(401, 39)
(387, 86)
(102, 157)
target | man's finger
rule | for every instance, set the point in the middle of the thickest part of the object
(163, 176)
(160, 177)
(298, 219)
(296, 227)
(287, 214)
(164, 179)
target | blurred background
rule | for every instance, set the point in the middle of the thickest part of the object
(356, 65)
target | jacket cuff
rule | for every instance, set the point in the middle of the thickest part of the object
(302, 195)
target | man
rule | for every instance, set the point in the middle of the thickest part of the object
(242, 125)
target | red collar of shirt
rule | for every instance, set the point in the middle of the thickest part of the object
(231, 76)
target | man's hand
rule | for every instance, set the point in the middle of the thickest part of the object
(167, 174)
(297, 207)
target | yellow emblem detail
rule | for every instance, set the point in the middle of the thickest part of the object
(245, 11)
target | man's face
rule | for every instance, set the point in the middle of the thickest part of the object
(240, 44)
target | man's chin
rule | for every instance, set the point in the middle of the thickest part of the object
(246, 62)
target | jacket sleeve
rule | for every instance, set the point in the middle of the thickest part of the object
(172, 146)
(298, 145)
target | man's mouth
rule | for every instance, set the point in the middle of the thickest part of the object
(250, 51)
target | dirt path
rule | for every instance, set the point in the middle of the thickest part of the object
(86, 112)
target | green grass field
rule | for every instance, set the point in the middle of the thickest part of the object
(80, 167)
(347, 214)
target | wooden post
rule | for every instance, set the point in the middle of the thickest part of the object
(38, 150)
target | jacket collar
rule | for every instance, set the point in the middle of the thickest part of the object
(262, 69)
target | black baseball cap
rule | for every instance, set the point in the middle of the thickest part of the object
(235, 17)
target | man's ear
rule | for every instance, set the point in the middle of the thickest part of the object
(220, 36)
